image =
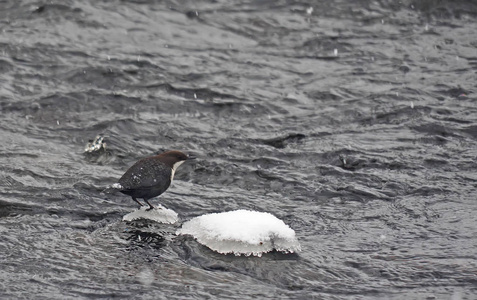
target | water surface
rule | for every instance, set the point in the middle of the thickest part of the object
(355, 122)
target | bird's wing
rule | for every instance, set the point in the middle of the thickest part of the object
(146, 174)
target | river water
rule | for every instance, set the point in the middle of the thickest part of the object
(355, 122)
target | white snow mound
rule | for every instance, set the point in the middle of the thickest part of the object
(159, 214)
(242, 232)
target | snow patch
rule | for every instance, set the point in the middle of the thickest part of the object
(159, 214)
(242, 232)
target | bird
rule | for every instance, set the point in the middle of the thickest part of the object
(151, 176)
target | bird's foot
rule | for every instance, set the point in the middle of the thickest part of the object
(150, 205)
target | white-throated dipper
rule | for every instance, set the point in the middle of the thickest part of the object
(151, 176)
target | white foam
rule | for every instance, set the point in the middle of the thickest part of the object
(159, 214)
(242, 232)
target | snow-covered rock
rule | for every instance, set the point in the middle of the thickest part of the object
(242, 232)
(158, 214)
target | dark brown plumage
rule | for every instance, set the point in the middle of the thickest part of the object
(151, 176)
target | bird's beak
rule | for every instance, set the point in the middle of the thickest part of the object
(191, 156)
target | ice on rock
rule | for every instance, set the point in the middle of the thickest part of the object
(242, 232)
(95, 146)
(159, 214)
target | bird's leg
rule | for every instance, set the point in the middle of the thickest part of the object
(140, 204)
(150, 205)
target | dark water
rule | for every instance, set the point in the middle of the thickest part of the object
(355, 122)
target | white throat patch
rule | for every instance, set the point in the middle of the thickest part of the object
(174, 168)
